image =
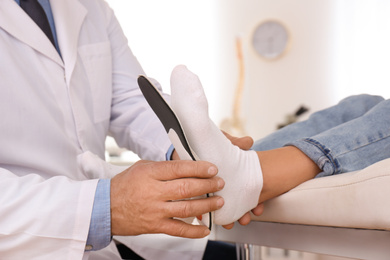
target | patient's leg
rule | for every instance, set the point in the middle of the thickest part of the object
(240, 169)
(283, 169)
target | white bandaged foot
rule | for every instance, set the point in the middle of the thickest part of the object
(240, 169)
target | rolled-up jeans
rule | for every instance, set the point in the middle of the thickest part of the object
(346, 137)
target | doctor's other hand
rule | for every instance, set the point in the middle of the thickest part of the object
(246, 219)
(146, 198)
(244, 143)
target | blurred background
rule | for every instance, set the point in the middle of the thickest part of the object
(336, 48)
(333, 49)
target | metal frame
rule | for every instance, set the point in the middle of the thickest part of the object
(336, 241)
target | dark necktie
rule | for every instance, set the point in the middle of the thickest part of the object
(36, 12)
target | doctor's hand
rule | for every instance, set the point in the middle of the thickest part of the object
(147, 197)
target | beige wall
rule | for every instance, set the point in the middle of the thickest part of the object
(302, 76)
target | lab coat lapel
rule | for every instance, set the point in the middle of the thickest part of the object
(17, 23)
(68, 18)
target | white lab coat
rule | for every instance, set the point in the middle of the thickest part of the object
(54, 116)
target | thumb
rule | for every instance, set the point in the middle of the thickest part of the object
(245, 143)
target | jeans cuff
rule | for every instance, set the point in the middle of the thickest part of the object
(319, 154)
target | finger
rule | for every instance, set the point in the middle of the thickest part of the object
(258, 210)
(170, 170)
(192, 208)
(229, 226)
(175, 155)
(245, 220)
(179, 228)
(190, 187)
(244, 143)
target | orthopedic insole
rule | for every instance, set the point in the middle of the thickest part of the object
(172, 127)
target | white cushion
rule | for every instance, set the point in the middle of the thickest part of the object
(358, 199)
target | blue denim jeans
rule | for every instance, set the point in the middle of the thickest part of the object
(349, 136)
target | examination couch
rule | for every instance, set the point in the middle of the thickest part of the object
(346, 215)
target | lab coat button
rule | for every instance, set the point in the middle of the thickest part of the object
(88, 247)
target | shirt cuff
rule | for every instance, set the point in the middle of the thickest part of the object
(168, 155)
(99, 235)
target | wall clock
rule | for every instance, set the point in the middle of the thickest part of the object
(270, 39)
